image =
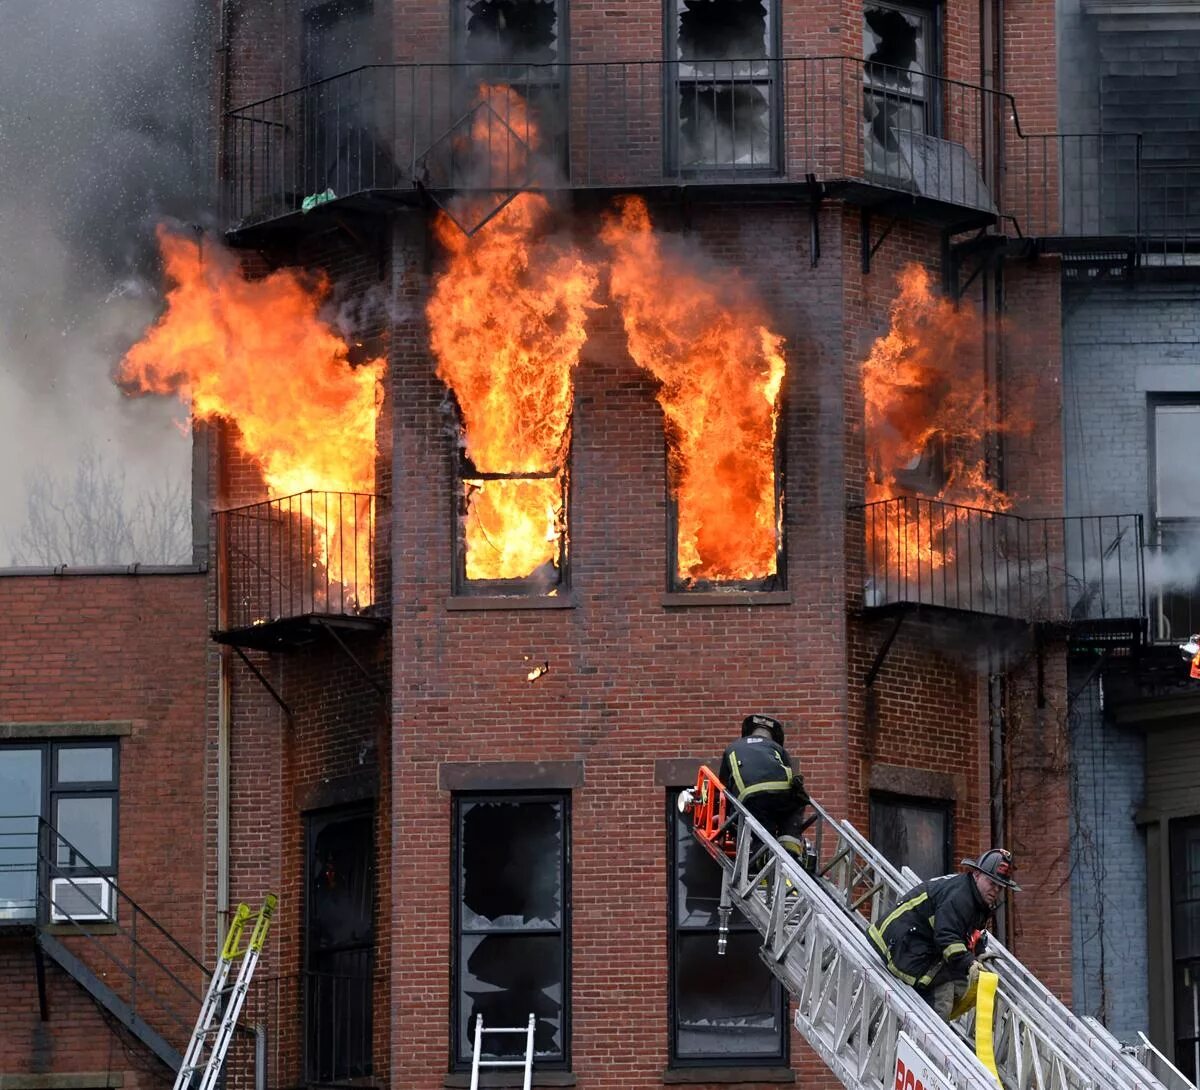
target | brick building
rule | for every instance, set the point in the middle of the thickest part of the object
(460, 776)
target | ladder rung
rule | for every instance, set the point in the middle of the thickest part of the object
(500, 1063)
(498, 1029)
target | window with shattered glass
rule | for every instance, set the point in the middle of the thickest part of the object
(723, 66)
(511, 924)
(899, 55)
(726, 1010)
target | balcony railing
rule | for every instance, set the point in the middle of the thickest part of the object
(1084, 571)
(614, 125)
(1107, 188)
(291, 559)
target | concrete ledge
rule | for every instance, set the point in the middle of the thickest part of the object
(510, 776)
(511, 601)
(84, 729)
(706, 1076)
(513, 1077)
(83, 1080)
(680, 771)
(917, 782)
(727, 598)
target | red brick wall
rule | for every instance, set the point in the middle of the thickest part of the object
(111, 648)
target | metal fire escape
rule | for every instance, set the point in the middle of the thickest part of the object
(848, 1007)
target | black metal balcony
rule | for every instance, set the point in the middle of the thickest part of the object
(866, 132)
(288, 567)
(1083, 574)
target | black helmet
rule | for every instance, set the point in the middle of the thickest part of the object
(997, 864)
(763, 722)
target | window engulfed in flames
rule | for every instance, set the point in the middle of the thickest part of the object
(923, 382)
(256, 352)
(720, 372)
(507, 322)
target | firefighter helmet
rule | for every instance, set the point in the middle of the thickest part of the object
(763, 722)
(997, 864)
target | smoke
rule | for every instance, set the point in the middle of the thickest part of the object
(104, 109)
(1175, 567)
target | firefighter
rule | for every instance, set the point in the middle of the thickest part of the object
(1191, 652)
(926, 940)
(757, 771)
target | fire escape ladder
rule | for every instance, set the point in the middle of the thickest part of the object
(122, 1011)
(130, 965)
(814, 917)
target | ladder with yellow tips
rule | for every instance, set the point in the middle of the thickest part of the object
(228, 1000)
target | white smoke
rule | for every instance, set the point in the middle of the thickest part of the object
(103, 130)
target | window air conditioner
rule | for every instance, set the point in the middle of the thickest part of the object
(81, 899)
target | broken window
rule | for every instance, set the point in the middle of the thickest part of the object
(506, 31)
(511, 532)
(725, 77)
(511, 924)
(898, 48)
(726, 1009)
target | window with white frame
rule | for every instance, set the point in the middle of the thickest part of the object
(72, 785)
(726, 1010)
(511, 924)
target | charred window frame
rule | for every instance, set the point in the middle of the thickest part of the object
(913, 832)
(900, 68)
(548, 580)
(1175, 503)
(512, 923)
(923, 475)
(78, 793)
(723, 86)
(524, 45)
(678, 583)
(724, 1010)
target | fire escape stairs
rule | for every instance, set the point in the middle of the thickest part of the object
(125, 1013)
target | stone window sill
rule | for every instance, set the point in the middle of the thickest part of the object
(463, 602)
(706, 1076)
(513, 1077)
(727, 598)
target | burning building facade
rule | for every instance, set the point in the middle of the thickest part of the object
(689, 372)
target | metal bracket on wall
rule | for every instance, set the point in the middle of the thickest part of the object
(264, 682)
(379, 689)
(868, 248)
(886, 646)
(816, 193)
(985, 250)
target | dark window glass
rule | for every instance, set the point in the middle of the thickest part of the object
(726, 1009)
(1185, 942)
(912, 833)
(511, 924)
(73, 785)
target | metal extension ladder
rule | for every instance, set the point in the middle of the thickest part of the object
(478, 1061)
(228, 1000)
(849, 1008)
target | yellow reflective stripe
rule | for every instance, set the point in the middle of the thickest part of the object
(759, 788)
(895, 970)
(736, 769)
(901, 909)
(954, 949)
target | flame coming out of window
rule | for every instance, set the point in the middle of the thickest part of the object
(257, 353)
(923, 384)
(720, 371)
(507, 321)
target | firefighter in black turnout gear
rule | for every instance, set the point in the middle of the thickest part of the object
(757, 771)
(926, 938)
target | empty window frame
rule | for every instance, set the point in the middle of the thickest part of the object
(723, 85)
(899, 98)
(512, 924)
(73, 785)
(511, 531)
(725, 1010)
(1175, 428)
(913, 832)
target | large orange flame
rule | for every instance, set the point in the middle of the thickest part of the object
(720, 370)
(507, 318)
(923, 387)
(257, 353)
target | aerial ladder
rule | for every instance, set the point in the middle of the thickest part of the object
(814, 922)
